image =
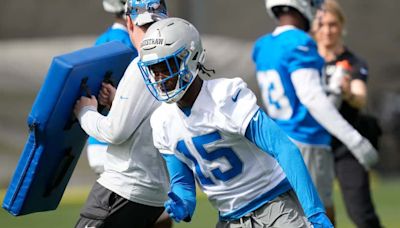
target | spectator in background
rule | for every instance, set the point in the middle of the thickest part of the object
(288, 72)
(345, 76)
(132, 189)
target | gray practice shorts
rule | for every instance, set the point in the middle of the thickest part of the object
(284, 211)
(320, 164)
(106, 209)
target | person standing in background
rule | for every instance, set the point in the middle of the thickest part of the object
(345, 76)
(288, 72)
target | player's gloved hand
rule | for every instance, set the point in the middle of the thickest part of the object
(365, 153)
(176, 208)
(320, 220)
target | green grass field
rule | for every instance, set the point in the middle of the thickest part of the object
(386, 196)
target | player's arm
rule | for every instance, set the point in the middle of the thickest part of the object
(182, 197)
(263, 132)
(240, 106)
(308, 88)
(306, 81)
(130, 106)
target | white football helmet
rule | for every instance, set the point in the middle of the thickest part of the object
(175, 45)
(114, 6)
(306, 7)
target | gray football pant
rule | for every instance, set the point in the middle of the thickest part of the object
(320, 165)
(284, 211)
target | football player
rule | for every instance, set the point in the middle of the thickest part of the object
(213, 132)
(133, 187)
(288, 73)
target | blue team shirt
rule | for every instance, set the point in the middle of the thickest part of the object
(112, 34)
(118, 34)
(276, 56)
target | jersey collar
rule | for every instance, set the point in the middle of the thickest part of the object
(119, 26)
(188, 111)
(280, 29)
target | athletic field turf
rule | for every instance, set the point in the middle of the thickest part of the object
(386, 195)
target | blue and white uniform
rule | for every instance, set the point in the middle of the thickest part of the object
(96, 150)
(238, 156)
(289, 74)
(277, 56)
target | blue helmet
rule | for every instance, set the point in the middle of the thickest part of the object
(145, 11)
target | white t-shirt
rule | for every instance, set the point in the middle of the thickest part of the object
(232, 171)
(133, 168)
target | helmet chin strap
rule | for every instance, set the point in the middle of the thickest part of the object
(200, 65)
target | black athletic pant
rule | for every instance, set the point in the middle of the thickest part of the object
(355, 187)
(106, 209)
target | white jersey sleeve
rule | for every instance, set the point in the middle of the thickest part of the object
(159, 126)
(310, 92)
(234, 100)
(120, 122)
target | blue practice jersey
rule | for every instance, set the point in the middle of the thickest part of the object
(277, 56)
(116, 32)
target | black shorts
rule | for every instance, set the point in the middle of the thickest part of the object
(104, 209)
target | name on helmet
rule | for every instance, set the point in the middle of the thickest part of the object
(152, 41)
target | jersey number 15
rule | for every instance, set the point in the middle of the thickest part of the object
(236, 165)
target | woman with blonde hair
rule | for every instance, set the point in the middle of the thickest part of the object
(345, 76)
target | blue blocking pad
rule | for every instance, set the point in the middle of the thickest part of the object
(55, 138)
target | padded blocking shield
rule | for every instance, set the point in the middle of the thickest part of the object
(55, 138)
